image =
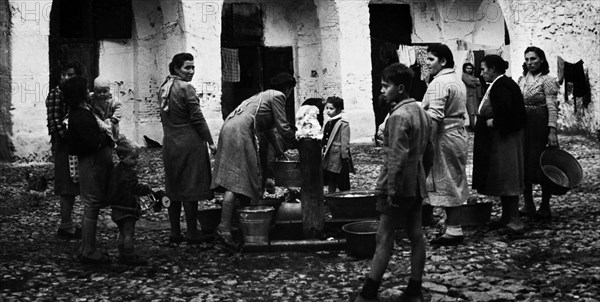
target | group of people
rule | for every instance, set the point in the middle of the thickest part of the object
(425, 144)
(426, 153)
(92, 121)
(84, 129)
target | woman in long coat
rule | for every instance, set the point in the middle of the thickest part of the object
(539, 94)
(237, 163)
(445, 101)
(185, 153)
(498, 146)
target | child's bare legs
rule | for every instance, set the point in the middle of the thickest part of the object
(414, 231)
(126, 240)
(126, 245)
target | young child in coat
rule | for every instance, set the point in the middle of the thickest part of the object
(337, 161)
(106, 108)
(123, 191)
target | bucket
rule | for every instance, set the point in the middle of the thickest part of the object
(360, 238)
(287, 173)
(560, 171)
(255, 222)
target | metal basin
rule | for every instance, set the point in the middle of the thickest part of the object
(352, 204)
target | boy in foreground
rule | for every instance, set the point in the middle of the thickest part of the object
(409, 156)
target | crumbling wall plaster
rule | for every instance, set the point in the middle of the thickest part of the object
(30, 23)
(202, 35)
(569, 29)
(355, 64)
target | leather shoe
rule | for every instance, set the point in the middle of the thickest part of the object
(448, 240)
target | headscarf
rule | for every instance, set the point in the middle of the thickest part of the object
(165, 89)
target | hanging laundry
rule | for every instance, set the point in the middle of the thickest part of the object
(407, 55)
(574, 73)
(231, 64)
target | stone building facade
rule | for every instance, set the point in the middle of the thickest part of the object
(330, 42)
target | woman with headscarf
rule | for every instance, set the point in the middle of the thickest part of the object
(186, 142)
(498, 144)
(237, 170)
(445, 101)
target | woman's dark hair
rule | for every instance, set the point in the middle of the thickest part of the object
(337, 102)
(398, 74)
(178, 61)
(441, 51)
(496, 62)
(545, 67)
(75, 91)
(467, 64)
(282, 82)
(77, 67)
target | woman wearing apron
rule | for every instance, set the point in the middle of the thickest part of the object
(237, 164)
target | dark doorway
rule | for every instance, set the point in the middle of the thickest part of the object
(246, 63)
(276, 60)
(76, 26)
(390, 25)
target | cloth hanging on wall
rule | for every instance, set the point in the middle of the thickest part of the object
(231, 64)
(574, 73)
(421, 59)
(407, 55)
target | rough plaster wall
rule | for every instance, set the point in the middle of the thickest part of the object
(116, 63)
(307, 56)
(330, 73)
(279, 20)
(355, 55)
(148, 70)
(570, 29)
(30, 67)
(202, 35)
(471, 22)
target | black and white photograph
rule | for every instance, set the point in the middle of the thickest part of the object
(300, 150)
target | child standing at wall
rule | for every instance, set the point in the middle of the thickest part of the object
(337, 161)
(124, 187)
(105, 107)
